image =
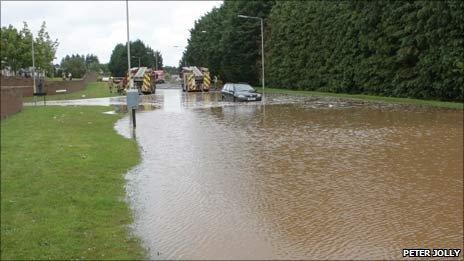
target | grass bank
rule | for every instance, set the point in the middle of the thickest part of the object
(92, 90)
(452, 105)
(62, 185)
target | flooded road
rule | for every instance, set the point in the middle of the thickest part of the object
(301, 178)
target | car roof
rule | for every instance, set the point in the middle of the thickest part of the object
(237, 83)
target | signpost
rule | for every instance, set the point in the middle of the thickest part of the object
(132, 98)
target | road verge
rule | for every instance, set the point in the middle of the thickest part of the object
(433, 103)
(62, 185)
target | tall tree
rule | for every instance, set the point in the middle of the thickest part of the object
(45, 49)
(147, 56)
(118, 61)
(16, 48)
(10, 53)
(230, 46)
(74, 64)
(92, 63)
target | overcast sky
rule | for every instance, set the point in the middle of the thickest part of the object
(97, 26)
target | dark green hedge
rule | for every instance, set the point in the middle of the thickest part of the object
(393, 48)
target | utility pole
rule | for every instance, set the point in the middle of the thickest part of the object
(262, 44)
(132, 97)
(262, 52)
(128, 42)
(177, 46)
(33, 64)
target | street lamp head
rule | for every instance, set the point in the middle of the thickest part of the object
(249, 17)
(204, 31)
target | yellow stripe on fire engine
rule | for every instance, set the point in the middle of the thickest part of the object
(206, 79)
(191, 82)
(146, 81)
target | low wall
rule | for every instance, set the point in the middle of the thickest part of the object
(50, 86)
(11, 101)
(13, 89)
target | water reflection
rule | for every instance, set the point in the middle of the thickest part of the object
(307, 181)
(172, 101)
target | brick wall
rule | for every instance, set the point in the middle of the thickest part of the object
(50, 86)
(11, 101)
(13, 89)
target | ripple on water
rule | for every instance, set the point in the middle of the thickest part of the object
(296, 179)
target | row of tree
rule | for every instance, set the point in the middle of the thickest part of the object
(78, 65)
(226, 44)
(400, 48)
(141, 55)
(16, 48)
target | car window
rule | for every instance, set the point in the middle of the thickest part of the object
(243, 87)
(226, 87)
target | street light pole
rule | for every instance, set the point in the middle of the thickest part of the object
(128, 42)
(262, 52)
(185, 61)
(262, 44)
(132, 95)
(33, 64)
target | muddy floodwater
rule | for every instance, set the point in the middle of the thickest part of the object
(299, 178)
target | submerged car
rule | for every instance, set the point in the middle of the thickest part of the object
(239, 92)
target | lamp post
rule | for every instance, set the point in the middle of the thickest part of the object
(262, 44)
(33, 65)
(156, 59)
(132, 98)
(128, 42)
(177, 46)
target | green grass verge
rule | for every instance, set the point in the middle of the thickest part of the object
(452, 105)
(62, 185)
(92, 90)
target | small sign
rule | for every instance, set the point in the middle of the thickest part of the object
(132, 98)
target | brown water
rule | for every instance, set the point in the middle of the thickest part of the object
(299, 178)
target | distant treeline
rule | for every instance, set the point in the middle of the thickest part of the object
(393, 48)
